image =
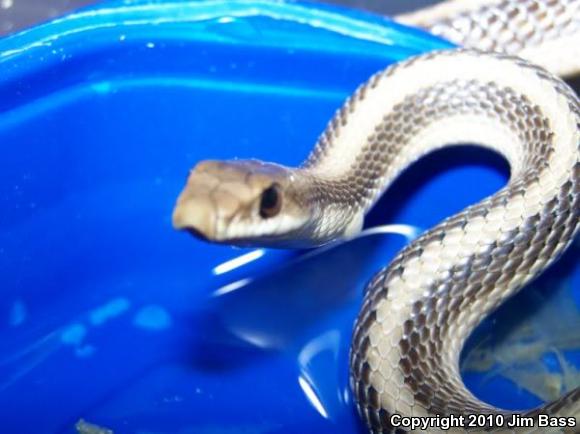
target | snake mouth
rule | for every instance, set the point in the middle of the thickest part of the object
(196, 233)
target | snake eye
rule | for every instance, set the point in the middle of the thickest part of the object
(271, 201)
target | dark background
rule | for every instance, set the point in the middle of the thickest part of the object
(18, 14)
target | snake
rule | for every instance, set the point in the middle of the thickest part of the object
(500, 90)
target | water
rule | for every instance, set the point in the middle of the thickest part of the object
(109, 315)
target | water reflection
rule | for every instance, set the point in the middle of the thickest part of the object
(230, 287)
(302, 311)
(237, 262)
(528, 352)
(283, 306)
(319, 370)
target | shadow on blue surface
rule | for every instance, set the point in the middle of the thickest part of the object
(112, 316)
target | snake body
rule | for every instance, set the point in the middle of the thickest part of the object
(545, 32)
(418, 311)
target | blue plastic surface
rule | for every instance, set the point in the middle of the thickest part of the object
(108, 314)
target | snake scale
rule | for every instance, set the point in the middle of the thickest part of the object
(418, 311)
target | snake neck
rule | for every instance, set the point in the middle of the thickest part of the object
(395, 118)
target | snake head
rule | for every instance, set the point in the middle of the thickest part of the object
(241, 202)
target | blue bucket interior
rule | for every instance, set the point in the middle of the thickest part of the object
(108, 314)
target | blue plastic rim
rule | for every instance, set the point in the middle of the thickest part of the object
(109, 315)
